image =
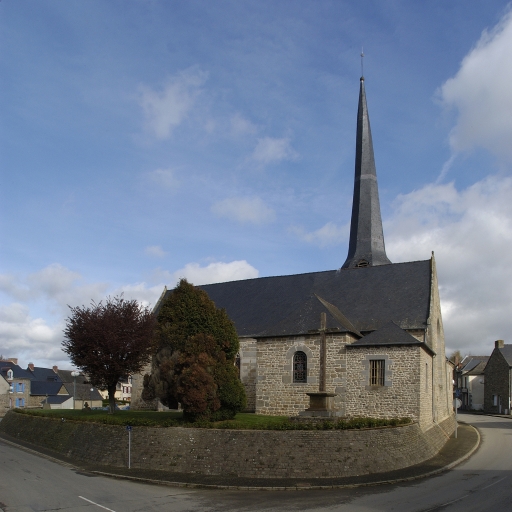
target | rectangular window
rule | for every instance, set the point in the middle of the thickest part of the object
(377, 372)
(494, 399)
(20, 387)
(20, 402)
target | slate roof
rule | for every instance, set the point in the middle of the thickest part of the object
(17, 371)
(476, 370)
(369, 297)
(65, 376)
(389, 334)
(83, 391)
(38, 387)
(43, 374)
(506, 351)
(474, 365)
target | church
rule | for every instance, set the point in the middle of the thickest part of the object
(363, 340)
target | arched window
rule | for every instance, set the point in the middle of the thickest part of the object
(300, 367)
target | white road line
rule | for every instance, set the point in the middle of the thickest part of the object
(97, 504)
(494, 483)
(437, 507)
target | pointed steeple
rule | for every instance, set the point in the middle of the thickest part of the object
(366, 247)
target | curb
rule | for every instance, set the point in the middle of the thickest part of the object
(297, 487)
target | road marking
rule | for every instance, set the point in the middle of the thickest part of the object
(494, 483)
(97, 504)
(437, 507)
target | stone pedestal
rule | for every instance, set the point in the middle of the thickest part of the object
(321, 404)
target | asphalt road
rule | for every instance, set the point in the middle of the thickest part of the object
(29, 482)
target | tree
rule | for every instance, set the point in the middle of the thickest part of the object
(195, 360)
(110, 340)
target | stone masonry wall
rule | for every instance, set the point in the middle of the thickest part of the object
(497, 381)
(242, 453)
(277, 394)
(400, 395)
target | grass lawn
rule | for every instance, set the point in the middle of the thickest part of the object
(241, 420)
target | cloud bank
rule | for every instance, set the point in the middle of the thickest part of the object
(244, 210)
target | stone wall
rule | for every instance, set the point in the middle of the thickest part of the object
(277, 393)
(497, 382)
(400, 395)
(243, 453)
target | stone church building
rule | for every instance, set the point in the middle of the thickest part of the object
(365, 339)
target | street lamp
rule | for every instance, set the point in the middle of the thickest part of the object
(90, 405)
(74, 374)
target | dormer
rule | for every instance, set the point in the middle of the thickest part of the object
(10, 374)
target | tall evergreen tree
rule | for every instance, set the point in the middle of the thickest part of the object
(195, 360)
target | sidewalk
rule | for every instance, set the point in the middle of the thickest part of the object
(454, 452)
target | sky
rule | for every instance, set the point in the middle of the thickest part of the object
(142, 141)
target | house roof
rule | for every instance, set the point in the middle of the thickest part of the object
(474, 362)
(43, 374)
(17, 371)
(506, 351)
(286, 305)
(65, 376)
(476, 370)
(39, 387)
(83, 391)
(389, 334)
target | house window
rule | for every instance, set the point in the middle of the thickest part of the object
(20, 402)
(9, 374)
(377, 372)
(20, 387)
(300, 367)
(494, 399)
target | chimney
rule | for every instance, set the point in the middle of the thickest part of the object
(55, 369)
(31, 366)
(499, 344)
(13, 360)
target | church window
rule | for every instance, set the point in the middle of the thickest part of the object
(362, 263)
(377, 372)
(300, 367)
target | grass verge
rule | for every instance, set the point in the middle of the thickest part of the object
(242, 421)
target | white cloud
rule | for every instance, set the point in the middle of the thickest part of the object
(155, 251)
(241, 126)
(481, 94)
(216, 272)
(164, 178)
(166, 109)
(327, 235)
(270, 150)
(244, 209)
(471, 234)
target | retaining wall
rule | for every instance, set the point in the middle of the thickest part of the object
(243, 453)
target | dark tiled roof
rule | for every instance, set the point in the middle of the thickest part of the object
(476, 370)
(17, 371)
(65, 376)
(83, 391)
(39, 387)
(473, 362)
(389, 334)
(506, 351)
(43, 374)
(286, 305)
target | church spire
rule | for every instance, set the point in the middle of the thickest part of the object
(366, 247)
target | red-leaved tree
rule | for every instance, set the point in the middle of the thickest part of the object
(109, 340)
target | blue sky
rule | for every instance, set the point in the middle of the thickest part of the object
(143, 141)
